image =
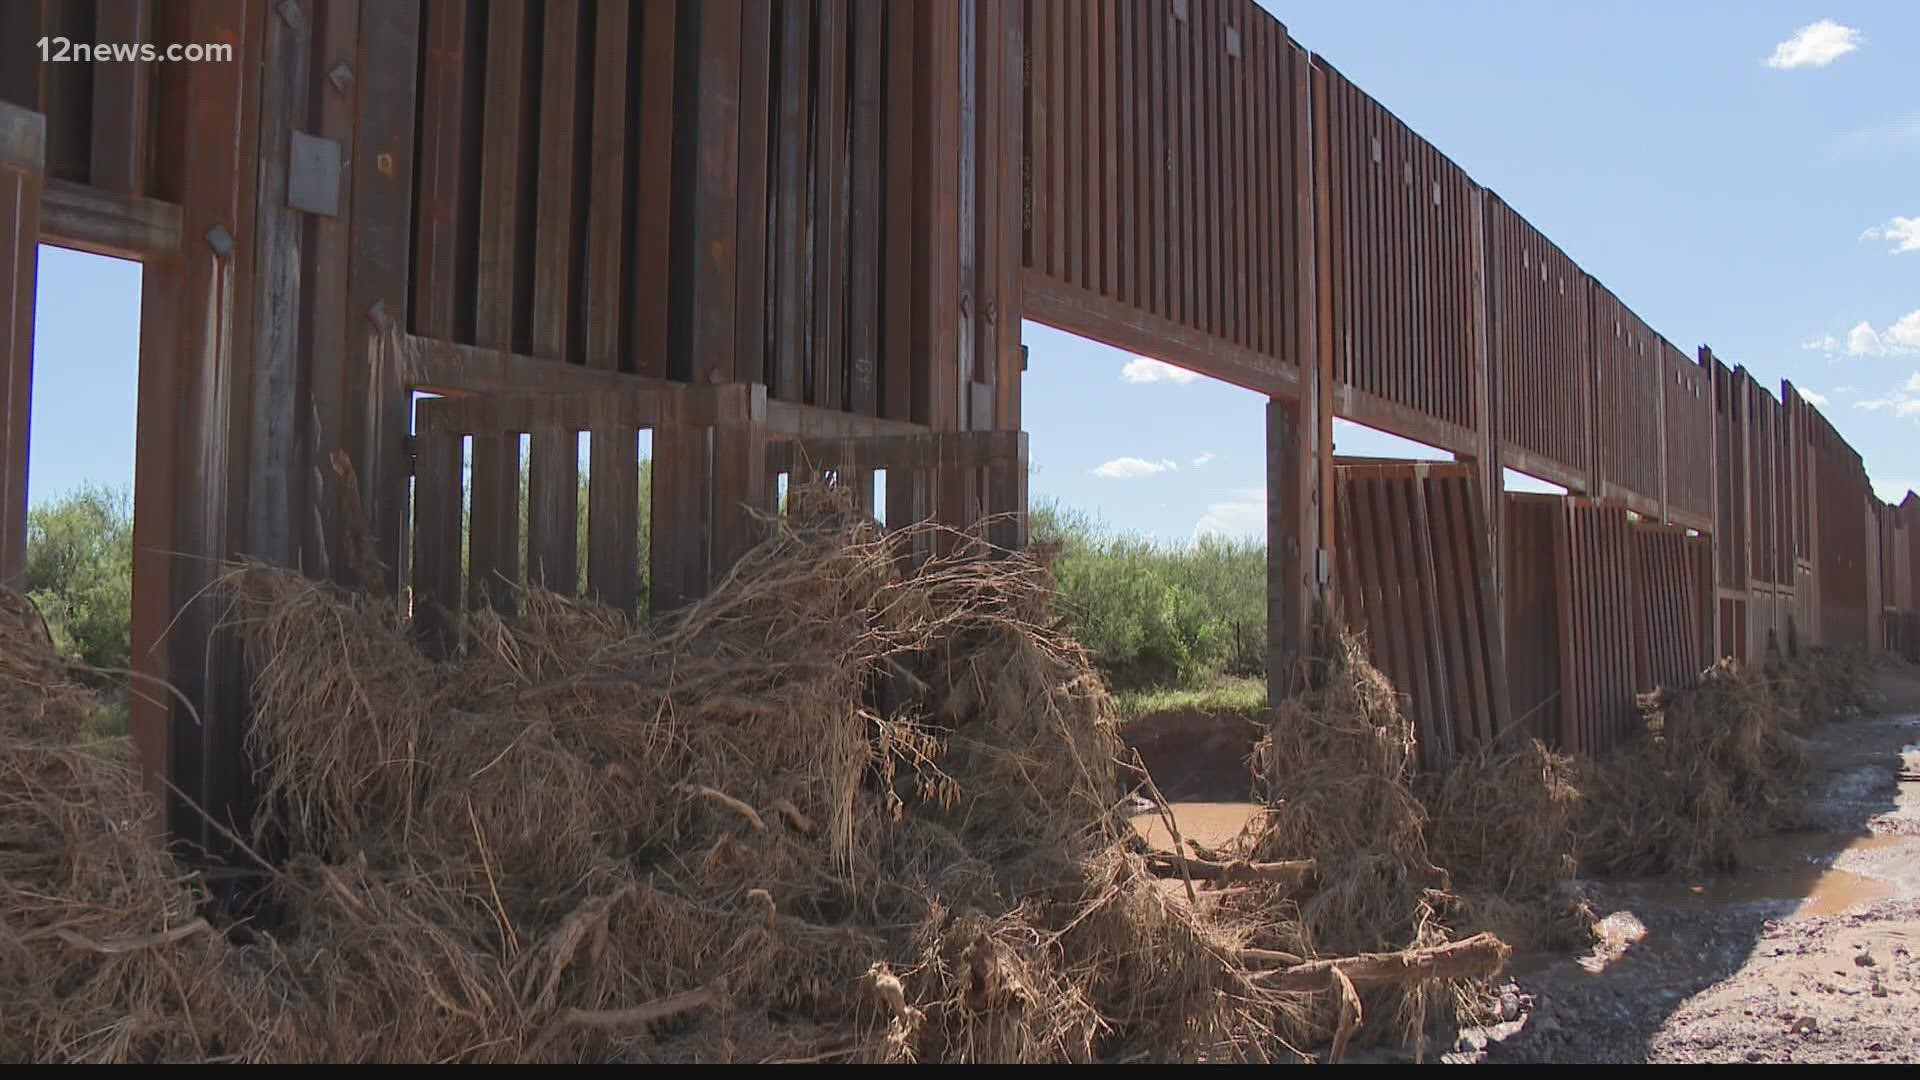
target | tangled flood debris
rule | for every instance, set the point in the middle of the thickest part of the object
(835, 811)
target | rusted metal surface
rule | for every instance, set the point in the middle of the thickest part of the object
(450, 578)
(99, 115)
(1599, 608)
(1532, 590)
(1162, 145)
(1686, 470)
(1597, 624)
(1900, 555)
(374, 407)
(84, 218)
(1399, 219)
(1412, 575)
(197, 314)
(1666, 590)
(916, 466)
(1629, 360)
(1540, 347)
(1768, 519)
(736, 219)
(1731, 450)
(1841, 566)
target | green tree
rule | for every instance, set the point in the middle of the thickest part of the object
(1158, 614)
(80, 572)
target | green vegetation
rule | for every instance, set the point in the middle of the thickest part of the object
(1221, 694)
(80, 573)
(1158, 615)
(110, 716)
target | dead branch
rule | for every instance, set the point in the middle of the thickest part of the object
(117, 946)
(587, 923)
(1166, 815)
(1288, 872)
(1476, 957)
(886, 984)
(703, 791)
(1350, 1016)
(801, 822)
(1203, 850)
(765, 900)
(618, 1019)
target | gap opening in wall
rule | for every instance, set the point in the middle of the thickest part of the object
(409, 569)
(1515, 480)
(1351, 440)
(80, 457)
(1151, 479)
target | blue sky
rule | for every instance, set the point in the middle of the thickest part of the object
(86, 350)
(1754, 207)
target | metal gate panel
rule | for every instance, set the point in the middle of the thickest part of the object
(1415, 576)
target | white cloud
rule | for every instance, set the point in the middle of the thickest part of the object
(1203, 459)
(1841, 391)
(1902, 232)
(1862, 341)
(1902, 402)
(1893, 134)
(1132, 468)
(1814, 398)
(1900, 338)
(1815, 45)
(1904, 334)
(1141, 369)
(1244, 514)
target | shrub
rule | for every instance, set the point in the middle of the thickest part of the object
(80, 573)
(1154, 613)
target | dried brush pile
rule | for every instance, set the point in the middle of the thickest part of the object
(833, 812)
(1822, 685)
(1717, 763)
(103, 954)
(581, 840)
(1504, 822)
(1337, 770)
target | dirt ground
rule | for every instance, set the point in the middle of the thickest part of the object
(1807, 954)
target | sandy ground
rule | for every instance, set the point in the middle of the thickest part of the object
(1811, 953)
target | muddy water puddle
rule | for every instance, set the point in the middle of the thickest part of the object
(1787, 868)
(1790, 868)
(1209, 823)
